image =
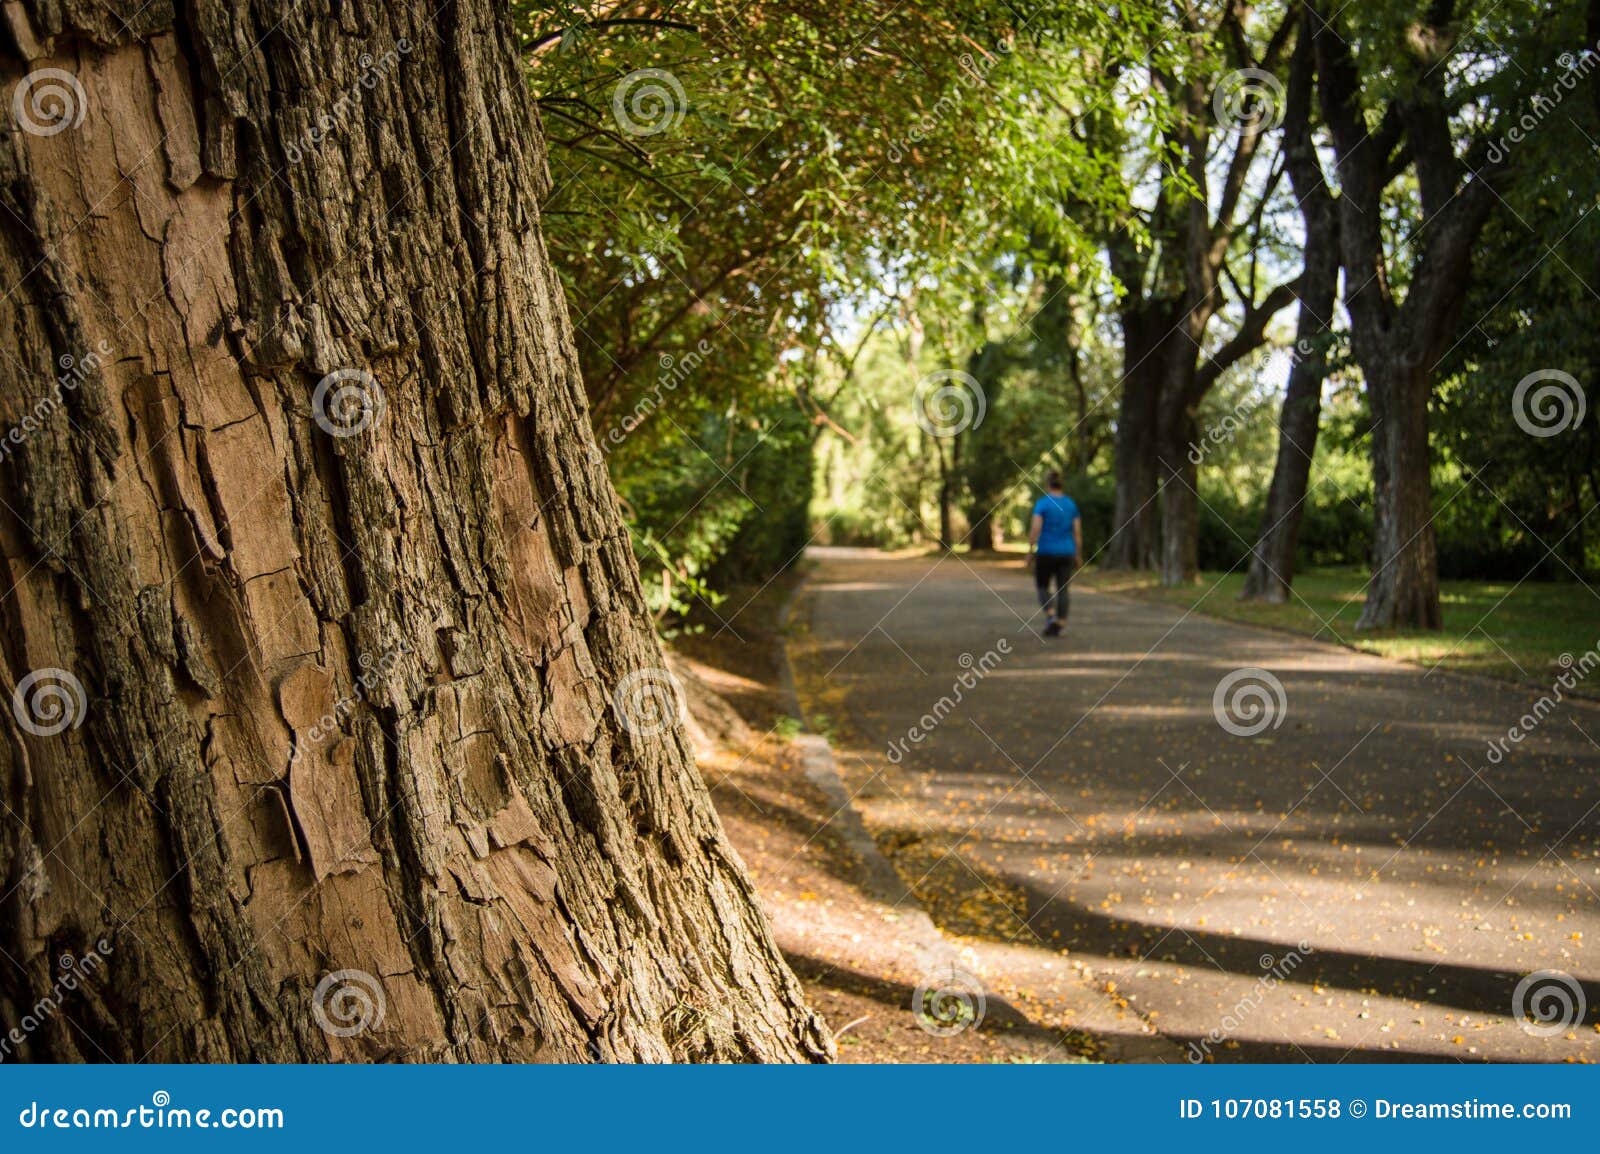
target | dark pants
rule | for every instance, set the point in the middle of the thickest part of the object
(1057, 567)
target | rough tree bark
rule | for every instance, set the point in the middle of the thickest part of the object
(1272, 561)
(350, 751)
(1177, 431)
(1397, 342)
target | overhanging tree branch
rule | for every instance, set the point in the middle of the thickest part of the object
(1251, 335)
(603, 25)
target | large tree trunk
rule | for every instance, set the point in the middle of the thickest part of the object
(1180, 478)
(1135, 528)
(1272, 561)
(947, 492)
(374, 756)
(1184, 388)
(1404, 587)
(1180, 513)
(1395, 342)
(983, 531)
(1203, 243)
(986, 470)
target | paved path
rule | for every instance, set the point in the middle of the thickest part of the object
(1354, 882)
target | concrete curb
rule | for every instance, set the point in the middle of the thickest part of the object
(879, 879)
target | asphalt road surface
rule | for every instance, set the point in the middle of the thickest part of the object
(1316, 863)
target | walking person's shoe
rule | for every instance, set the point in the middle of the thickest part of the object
(1052, 628)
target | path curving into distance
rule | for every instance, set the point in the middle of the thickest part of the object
(1353, 881)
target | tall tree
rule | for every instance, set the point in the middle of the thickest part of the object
(1218, 109)
(1272, 561)
(1531, 453)
(1398, 340)
(1206, 240)
(339, 726)
(1148, 316)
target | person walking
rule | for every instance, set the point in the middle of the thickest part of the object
(1055, 546)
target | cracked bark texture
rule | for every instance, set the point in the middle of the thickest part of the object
(349, 700)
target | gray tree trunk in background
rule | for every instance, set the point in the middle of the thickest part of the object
(1397, 342)
(1272, 562)
(1148, 331)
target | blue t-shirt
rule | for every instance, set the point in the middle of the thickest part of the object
(1055, 538)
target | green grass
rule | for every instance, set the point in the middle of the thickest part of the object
(1494, 628)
